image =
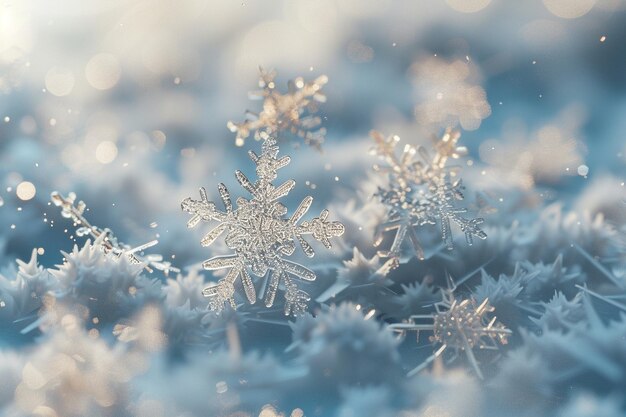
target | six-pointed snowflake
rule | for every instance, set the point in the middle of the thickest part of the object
(420, 192)
(461, 325)
(261, 235)
(293, 113)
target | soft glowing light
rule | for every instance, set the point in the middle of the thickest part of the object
(583, 170)
(15, 29)
(103, 71)
(59, 81)
(106, 152)
(569, 9)
(25, 190)
(468, 6)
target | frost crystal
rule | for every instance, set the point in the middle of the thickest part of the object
(109, 242)
(460, 325)
(292, 113)
(420, 192)
(261, 235)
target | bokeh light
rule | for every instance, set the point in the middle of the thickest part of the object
(103, 71)
(25, 190)
(569, 9)
(106, 152)
(468, 6)
(59, 81)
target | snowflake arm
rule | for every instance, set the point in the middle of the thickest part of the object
(439, 207)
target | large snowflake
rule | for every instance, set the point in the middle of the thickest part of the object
(261, 235)
(293, 112)
(420, 191)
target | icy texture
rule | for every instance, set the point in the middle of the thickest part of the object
(261, 235)
(420, 192)
(292, 113)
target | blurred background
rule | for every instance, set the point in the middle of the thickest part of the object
(126, 102)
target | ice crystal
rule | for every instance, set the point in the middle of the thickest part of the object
(292, 113)
(261, 235)
(460, 325)
(76, 211)
(421, 192)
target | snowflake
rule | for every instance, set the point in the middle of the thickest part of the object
(461, 325)
(110, 244)
(420, 192)
(261, 235)
(293, 112)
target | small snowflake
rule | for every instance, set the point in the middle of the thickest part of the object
(76, 212)
(292, 113)
(462, 325)
(420, 192)
(261, 235)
